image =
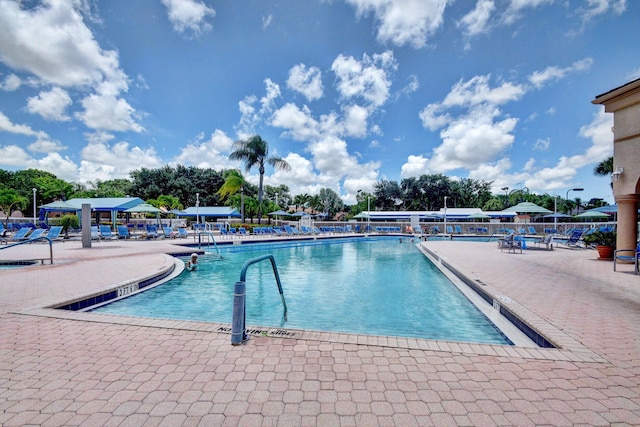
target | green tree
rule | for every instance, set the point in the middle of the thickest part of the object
(330, 201)
(301, 200)
(255, 152)
(493, 204)
(604, 168)
(233, 182)
(11, 201)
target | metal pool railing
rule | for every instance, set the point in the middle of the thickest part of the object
(31, 241)
(238, 322)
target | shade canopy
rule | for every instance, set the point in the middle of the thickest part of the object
(592, 214)
(362, 215)
(301, 213)
(59, 206)
(143, 208)
(478, 215)
(280, 212)
(528, 207)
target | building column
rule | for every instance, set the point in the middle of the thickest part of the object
(627, 221)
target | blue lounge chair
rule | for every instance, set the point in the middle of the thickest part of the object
(35, 234)
(573, 241)
(54, 232)
(627, 255)
(532, 230)
(19, 235)
(169, 233)
(182, 232)
(449, 229)
(106, 233)
(458, 229)
(152, 232)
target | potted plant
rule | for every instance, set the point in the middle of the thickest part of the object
(68, 221)
(604, 241)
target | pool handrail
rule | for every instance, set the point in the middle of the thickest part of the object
(31, 241)
(208, 234)
(238, 322)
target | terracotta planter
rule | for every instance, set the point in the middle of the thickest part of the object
(605, 252)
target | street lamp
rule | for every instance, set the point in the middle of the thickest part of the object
(567, 196)
(34, 204)
(445, 214)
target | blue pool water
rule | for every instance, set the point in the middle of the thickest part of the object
(380, 286)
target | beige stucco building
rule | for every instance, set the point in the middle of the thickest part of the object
(624, 103)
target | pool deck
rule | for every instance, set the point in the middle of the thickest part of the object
(68, 368)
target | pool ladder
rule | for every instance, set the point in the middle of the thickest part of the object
(238, 322)
(28, 241)
(209, 239)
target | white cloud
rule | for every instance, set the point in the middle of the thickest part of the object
(473, 139)
(103, 161)
(14, 156)
(11, 83)
(542, 144)
(299, 123)
(404, 22)
(50, 105)
(250, 115)
(368, 79)
(539, 78)
(414, 167)
(52, 42)
(7, 126)
(212, 153)
(46, 146)
(188, 15)
(513, 12)
(107, 112)
(307, 81)
(62, 167)
(596, 8)
(476, 21)
(266, 21)
(355, 121)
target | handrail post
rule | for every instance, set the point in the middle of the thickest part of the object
(238, 321)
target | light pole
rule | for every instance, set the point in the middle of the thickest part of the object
(368, 213)
(198, 209)
(506, 196)
(445, 214)
(278, 207)
(34, 204)
(567, 197)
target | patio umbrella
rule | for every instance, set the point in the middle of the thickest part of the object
(528, 207)
(301, 213)
(557, 215)
(280, 212)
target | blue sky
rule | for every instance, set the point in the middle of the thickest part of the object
(349, 92)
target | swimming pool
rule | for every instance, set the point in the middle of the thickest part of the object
(376, 286)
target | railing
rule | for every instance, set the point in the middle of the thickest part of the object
(206, 233)
(23, 242)
(238, 323)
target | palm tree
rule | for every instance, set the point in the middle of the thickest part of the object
(604, 168)
(233, 182)
(255, 151)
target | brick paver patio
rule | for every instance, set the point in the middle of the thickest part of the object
(84, 369)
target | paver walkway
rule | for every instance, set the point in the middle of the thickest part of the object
(77, 371)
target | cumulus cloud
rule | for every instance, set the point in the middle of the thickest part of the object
(307, 81)
(409, 22)
(52, 42)
(46, 146)
(250, 115)
(414, 167)
(368, 79)
(189, 15)
(11, 83)
(50, 105)
(211, 153)
(103, 161)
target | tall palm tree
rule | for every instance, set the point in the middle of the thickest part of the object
(255, 152)
(604, 168)
(233, 182)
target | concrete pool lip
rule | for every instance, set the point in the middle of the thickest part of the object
(73, 372)
(567, 348)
